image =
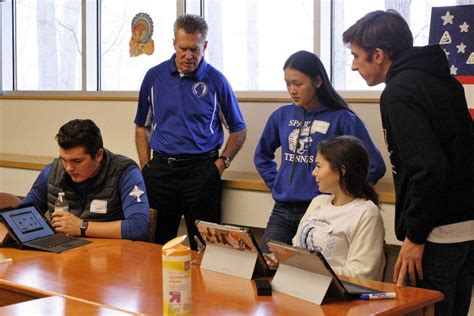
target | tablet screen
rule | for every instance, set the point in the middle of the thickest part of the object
(300, 258)
(227, 236)
(27, 223)
(239, 238)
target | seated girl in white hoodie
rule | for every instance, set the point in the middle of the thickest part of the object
(345, 224)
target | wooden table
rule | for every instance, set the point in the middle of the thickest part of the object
(124, 277)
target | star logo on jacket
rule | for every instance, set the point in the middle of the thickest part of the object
(200, 89)
(136, 193)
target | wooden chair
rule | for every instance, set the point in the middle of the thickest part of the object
(7, 200)
(386, 253)
(151, 236)
(391, 256)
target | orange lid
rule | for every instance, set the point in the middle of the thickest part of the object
(175, 247)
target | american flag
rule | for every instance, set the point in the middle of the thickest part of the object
(453, 28)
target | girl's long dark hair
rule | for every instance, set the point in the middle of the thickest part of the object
(348, 156)
(310, 64)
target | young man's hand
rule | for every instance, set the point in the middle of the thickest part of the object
(66, 223)
(409, 261)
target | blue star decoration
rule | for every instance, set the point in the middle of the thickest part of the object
(136, 192)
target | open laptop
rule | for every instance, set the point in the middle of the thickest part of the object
(240, 238)
(314, 261)
(29, 228)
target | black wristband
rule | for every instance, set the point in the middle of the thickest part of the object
(226, 161)
(84, 225)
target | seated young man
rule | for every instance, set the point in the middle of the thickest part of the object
(105, 191)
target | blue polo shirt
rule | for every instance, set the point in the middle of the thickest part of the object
(186, 112)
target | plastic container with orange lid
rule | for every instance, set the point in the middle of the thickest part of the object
(176, 259)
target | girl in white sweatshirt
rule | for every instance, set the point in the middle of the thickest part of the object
(345, 225)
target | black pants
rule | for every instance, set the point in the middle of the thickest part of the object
(190, 189)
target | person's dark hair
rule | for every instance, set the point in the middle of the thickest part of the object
(386, 30)
(191, 24)
(310, 65)
(348, 156)
(82, 133)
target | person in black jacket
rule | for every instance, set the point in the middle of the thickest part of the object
(430, 139)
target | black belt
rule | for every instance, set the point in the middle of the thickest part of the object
(185, 159)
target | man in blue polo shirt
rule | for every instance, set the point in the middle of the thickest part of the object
(105, 191)
(182, 106)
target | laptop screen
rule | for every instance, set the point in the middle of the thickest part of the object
(27, 223)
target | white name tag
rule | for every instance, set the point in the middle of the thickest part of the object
(99, 207)
(320, 127)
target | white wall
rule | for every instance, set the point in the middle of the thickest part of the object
(29, 126)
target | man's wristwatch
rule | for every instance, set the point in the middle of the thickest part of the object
(226, 161)
(84, 225)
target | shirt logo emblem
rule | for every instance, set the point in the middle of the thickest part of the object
(136, 193)
(200, 89)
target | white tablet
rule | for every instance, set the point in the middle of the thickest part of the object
(239, 238)
(314, 261)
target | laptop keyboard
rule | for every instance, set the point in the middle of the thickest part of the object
(52, 241)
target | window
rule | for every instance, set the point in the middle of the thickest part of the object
(48, 45)
(245, 43)
(84, 45)
(42, 45)
(119, 70)
(249, 41)
(6, 45)
(346, 12)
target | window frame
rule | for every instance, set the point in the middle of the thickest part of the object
(90, 10)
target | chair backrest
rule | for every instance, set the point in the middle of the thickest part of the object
(386, 252)
(7, 200)
(151, 236)
(391, 256)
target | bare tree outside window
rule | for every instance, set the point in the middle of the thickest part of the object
(70, 45)
(215, 34)
(249, 40)
(47, 58)
(48, 45)
(257, 37)
(339, 55)
(401, 6)
(252, 46)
